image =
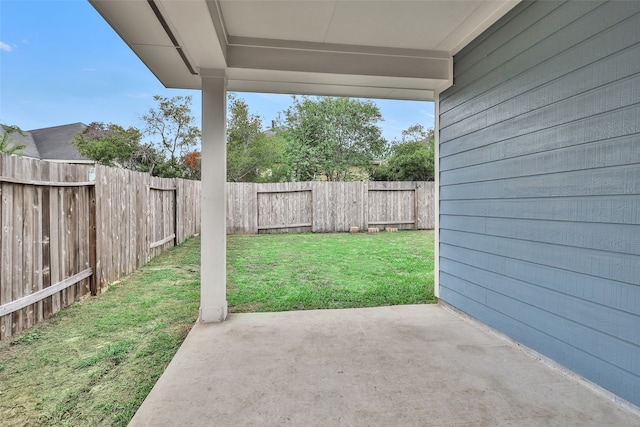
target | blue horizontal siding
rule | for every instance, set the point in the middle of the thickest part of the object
(620, 238)
(605, 209)
(603, 346)
(540, 185)
(593, 182)
(616, 324)
(589, 129)
(509, 28)
(589, 91)
(600, 371)
(590, 103)
(606, 292)
(530, 49)
(607, 265)
(611, 152)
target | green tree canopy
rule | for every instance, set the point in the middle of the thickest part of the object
(113, 145)
(330, 137)
(175, 133)
(6, 147)
(252, 155)
(412, 159)
(171, 121)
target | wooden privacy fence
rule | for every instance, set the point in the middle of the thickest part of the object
(328, 206)
(68, 230)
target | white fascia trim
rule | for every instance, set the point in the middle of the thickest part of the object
(338, 62)
(490, 19)
(320, 89)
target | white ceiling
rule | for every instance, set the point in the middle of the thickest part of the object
(369, 48)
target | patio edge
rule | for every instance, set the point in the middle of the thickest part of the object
(567, 373)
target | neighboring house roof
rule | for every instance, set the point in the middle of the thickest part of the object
(26, 139)
(56, 143)
(52, 143)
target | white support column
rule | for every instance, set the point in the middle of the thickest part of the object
(213, 287)
(436, 228)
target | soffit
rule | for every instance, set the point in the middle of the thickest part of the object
(400, 48)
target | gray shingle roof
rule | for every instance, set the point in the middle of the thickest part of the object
(56, 143)
(31, 149)
(53, 143)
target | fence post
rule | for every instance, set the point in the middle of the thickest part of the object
(175, 211)
(93, 255)
(415, 205)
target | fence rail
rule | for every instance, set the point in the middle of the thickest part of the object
(64, 235)
(69, 230)
(328, 206)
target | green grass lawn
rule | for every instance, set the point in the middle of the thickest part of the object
(280, 272)
(94, 363)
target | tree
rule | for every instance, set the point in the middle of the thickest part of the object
(172, 122)
(331, 136)
(113, 145)
(252, 156)
(192, 165)
(6, 147)
(410, 160)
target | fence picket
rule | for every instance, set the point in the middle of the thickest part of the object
(328, 206)
(57, 226)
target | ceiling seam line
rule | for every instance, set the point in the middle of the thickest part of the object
(390, 55)
(333, 14)
(171, 36)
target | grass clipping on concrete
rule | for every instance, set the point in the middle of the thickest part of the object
(281, 272)
(93, 363)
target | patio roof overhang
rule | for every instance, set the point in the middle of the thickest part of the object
(394, 49)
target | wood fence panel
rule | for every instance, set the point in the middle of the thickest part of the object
(320, 207)
(47, 303)
(328, 206)
(33, 250)
(6, 289)
(28, 265)
(188, 199)
(284, 207)
(150, 211)
(181, 221)
(17, 246)
(392, 204)
(54, 231)
(242, 208)
(348, 204)
(162, 208)
(426, 205)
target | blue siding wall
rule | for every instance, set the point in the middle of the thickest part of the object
(540, 185)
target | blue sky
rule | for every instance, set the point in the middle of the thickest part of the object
(61, 63)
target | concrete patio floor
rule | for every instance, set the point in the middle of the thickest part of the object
(419, 365)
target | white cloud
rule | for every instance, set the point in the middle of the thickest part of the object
(427, 113)
(5, 47)
(25, 41)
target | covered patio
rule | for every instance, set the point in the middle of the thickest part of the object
(536, 235)
(419, 365)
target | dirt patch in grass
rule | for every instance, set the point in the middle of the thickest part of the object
(93, 363)
(280, 272)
